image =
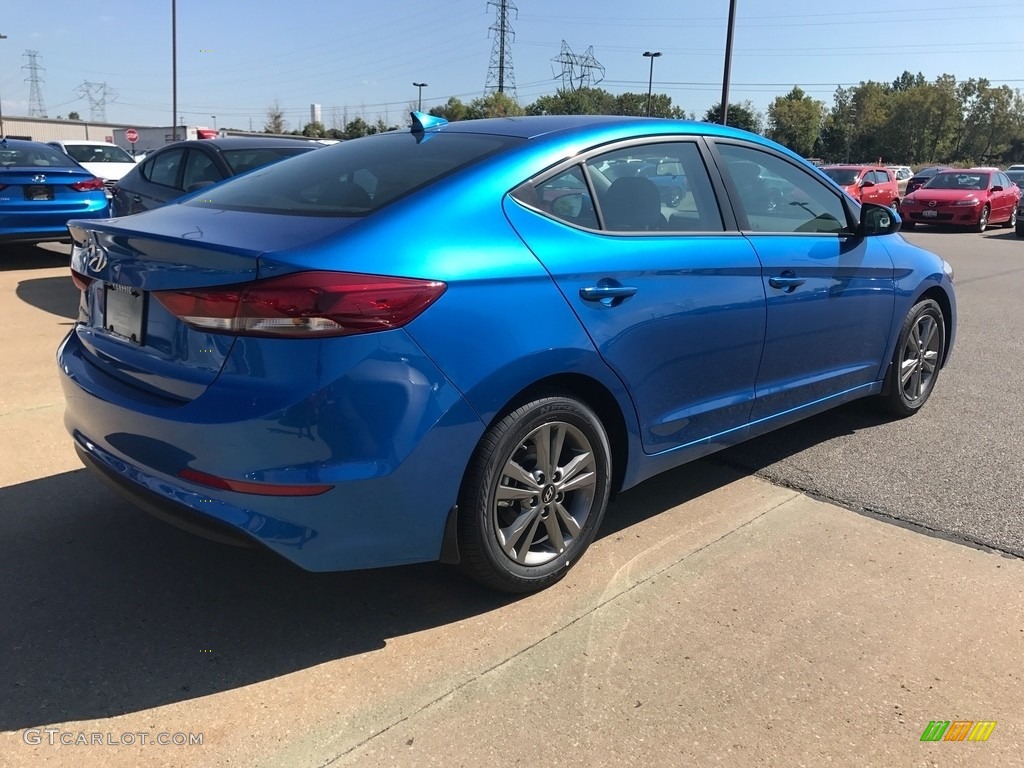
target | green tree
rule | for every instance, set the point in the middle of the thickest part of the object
(494, 105)
(314, 130)
(452, 111)
(742, 116)
(275, 119)
(794, 120)
(582, 101)
(72, 115)
(355, 128)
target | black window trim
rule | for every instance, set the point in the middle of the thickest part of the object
(729, 222)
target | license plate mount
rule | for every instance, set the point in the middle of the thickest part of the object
(38, 192)
(125, 312)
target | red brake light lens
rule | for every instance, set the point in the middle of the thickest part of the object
(305, 305)
(88, 185)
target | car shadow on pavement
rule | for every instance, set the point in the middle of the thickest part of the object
(110, 611)
(56, 295)
(14, 256)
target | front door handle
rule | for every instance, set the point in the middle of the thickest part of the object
(610, 295)
(788, 283)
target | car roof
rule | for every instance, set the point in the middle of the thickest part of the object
(82, 141)
(535, 126)
(241, 142)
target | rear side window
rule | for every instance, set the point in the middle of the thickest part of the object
(163, 169)
(242, 160)
(355, 177)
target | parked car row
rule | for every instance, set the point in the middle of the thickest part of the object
(43, 185)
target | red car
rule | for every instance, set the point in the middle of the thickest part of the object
(963, 197)
(866, 183)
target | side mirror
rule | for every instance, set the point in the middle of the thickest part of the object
(199, 185)
(878, 220)
(997, 188)
(867, 184)
(568, 206)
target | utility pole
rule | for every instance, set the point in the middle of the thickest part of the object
(174, 68)
(36, 108)
(500, 71)
(728, 61)
(2, 37)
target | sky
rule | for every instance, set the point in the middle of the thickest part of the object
(359, 58)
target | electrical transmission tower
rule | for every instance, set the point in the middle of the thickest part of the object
(98, 94)
(578, 71)
(500, 76)
(36, 108)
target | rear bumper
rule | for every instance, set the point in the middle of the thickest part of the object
(389, 435)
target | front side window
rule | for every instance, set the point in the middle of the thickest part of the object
(805, 205)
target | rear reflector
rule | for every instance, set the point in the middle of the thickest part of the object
(259, 489)
(88, 185)
(304, 305)
(82, 282)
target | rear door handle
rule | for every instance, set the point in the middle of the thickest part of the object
(786, 283)
(609, 295)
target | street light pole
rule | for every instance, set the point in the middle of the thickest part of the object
(419, 97)
(652, 55)
(728, 61)
(2, 37)
(214, 122)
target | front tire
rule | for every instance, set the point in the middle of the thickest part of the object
(917, 360)
(534, 495)
(982, 224)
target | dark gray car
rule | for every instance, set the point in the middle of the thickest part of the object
(186, 166)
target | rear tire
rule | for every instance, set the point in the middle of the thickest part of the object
(916, 361)
(534, 495)
(1011, 223)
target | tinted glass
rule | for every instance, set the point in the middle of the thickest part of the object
(655, 187)
(242, 160)
(163, 168)
(355, 177)
(807, 205)
(34, 156)
(199, 167)
(564, 196)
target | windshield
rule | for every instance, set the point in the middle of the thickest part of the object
(958, 180)
(844, 177)
(355, 177)
(98, 153)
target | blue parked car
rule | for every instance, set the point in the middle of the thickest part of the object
(41, 188)
(455, 343)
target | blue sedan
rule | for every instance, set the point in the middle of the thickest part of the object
(41, 188)
(456, 342)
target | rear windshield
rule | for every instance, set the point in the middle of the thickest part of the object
(98, 153)
(242, 160)
(958, 180)
(353, 178)
(34, 156)
(841, 176)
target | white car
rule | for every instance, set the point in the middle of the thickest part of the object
(105, 161)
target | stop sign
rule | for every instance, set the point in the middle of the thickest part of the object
(132, 135)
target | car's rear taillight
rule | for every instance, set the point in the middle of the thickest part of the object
(88, 185)
(305, 305)
(82, 282)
